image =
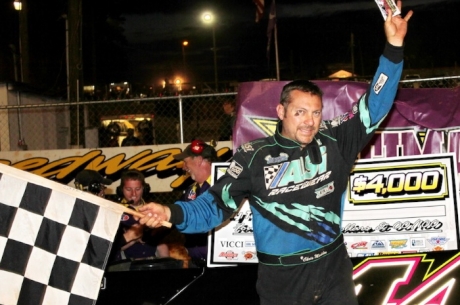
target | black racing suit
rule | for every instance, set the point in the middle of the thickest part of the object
(296, 204)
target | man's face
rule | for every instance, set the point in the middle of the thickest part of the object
(228, 108)
(132, 190)
(302, 117)
(192, 166)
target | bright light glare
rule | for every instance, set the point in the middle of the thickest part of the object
(185, 43)
(17, 5)
(207, 17)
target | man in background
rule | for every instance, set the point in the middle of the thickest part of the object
(130, 139)
(135, 241)
(198, 158)
(226, 127)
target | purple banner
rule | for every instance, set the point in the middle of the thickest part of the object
(422, 121)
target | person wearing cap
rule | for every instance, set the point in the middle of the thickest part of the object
(197, 158)
(92, 182)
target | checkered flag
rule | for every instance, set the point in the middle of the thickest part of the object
(54, 240)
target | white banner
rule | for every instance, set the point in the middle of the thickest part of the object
(401, 205)
(392, 206)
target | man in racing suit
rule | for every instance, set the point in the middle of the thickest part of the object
(294, 181)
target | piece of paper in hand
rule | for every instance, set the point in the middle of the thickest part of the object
(384, 4)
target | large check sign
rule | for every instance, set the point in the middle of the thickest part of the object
(401, 183)
(392, 206)
(401, 205)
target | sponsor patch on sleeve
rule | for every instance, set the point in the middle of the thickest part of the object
(235, 169)
(247, 147)
(380, 83)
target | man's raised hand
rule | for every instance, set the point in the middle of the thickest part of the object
(396, 26)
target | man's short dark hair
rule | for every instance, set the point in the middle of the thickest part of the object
(228, 101)
(132, 174)
(301, 85)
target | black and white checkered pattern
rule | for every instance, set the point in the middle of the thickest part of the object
(54, 240)
(270, 174)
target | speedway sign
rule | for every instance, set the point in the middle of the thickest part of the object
(392, 206)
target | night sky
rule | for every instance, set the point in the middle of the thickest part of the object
(312, 36)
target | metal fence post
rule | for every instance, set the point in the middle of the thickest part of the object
(181, 120)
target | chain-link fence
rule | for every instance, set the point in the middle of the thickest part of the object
(414, 81)
(36, 123)
(29, 122)
(43, 124)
